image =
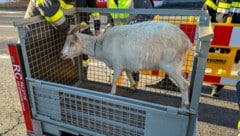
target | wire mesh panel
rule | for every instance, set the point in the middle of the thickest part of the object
(43, 44)
(102, 114)
(99, 116)
(151, 81)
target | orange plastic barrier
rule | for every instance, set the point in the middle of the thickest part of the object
(221, 67)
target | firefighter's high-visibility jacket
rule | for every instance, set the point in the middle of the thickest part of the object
(211, 6)
(223, 10)
(235, 11)
(218, 9)
(127, 4)
(53, 13)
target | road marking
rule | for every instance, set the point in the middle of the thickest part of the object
(11, 12)
(4, 56)
(6, 26)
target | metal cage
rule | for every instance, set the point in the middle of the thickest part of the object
(64, 101)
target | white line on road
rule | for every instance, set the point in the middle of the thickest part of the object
(6, 26)
(4, 56)
(11, 12)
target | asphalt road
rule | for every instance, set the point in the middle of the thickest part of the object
(7, 16)
(217, 116)
(11, 120)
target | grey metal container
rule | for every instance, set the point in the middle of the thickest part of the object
(64, 102)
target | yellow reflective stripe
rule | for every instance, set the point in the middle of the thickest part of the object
(211, 4)
(60, 21)
(85, 62)
(83, 23)
(236, 4)
(224, 5)
(55, 17)
(124, 4)
(95, 14)
(39, 2)
(65, 5)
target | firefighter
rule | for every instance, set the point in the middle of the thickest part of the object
(53, 13)
(235, 11)
(223, 8)
(120, 18)
(219, 12)
(211, 7)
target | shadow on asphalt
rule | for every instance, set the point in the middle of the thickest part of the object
(218, 115)
(224, 95)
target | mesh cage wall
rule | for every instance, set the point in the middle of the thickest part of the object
(98, 112)
(149, 81)
(43, 44)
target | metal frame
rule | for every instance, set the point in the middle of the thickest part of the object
(171, 117)
(151, 111)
